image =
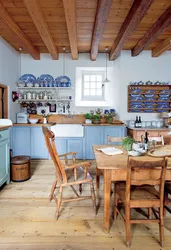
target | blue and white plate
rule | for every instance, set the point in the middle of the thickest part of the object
(135, 110)
(165, 91)
(149, 95)
(137, 106)
(161, 110)
(64, 79)
(138, 98)
(148, 110)
(164, 98)
(165, 95)
(46, 77)
(150, 91)
(28, 78)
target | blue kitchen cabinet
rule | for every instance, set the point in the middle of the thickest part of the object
(38, 147)
(4, 157)
(61, 145)
(93, 136)
(75, 145)
(114, 131)
(21, 141)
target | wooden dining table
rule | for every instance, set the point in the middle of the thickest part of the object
(115, 168)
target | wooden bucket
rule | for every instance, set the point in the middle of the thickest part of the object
(20, 168)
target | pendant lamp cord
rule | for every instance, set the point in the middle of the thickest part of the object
(64, 61)
(106, 64)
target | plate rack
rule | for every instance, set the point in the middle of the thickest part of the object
(149, 98)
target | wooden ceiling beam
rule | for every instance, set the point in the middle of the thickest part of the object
(134, 17)
(70, 16)
(166, 45)
(156, 29)
(37, 16)
(102, 12)
(21, 37)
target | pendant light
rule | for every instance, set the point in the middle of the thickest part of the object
(106, 79)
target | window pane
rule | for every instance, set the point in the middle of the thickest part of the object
(86, 85)
(93, 85)
(86, 92)
(99, 78)
(92, 92)
(93, 78)
(99, 92)
(99, 85)
(86, 78)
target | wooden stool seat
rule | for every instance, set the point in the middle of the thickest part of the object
(20, 168)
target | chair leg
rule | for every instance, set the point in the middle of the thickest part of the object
(127, 224)
(93, 196)
(59, 202)
(149, 212)
(161, 226)
(115, 203)
(52, 190)
(97, 181)
(80, 188)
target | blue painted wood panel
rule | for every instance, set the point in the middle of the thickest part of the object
(93, 135)
(61, 145)
(21, 141)
(4, 162)
(75, 145)
(38, 146)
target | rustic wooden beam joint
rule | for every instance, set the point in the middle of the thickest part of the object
(36, 14)
(20, 36)
(102, 13)
(133, 19)
(156, 29)
(70, 16)
(166, 45)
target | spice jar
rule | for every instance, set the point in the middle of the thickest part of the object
(28, 95)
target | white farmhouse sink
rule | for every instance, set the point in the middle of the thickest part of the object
(68, 130)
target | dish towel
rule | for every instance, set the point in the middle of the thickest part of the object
(111, 151)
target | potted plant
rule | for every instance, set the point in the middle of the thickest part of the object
(109, 117)
(88, 117)
(127, 143)
(96, 118)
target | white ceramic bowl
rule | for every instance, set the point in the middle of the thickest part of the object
(33, 121)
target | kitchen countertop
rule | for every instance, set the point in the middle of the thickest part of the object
(34, 125)
(51, 124)
(104, 124)
(5, 127)
(162, 128)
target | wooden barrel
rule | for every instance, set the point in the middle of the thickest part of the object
(20, 168)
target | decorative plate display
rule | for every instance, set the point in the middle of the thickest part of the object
(137, 106)
(46, 78)
(65, 81)
(57, 82)
(150, 91)
(165, 91)
(28, 78)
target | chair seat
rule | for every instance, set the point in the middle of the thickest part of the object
(144, 192)
(80, 175)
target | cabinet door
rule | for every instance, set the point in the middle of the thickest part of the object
(93, 136)
(113, 131)
(75, 145)
(21, 141)
(4, 164)
(38, 145)
(61, 145)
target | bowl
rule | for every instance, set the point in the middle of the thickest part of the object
(33, 121)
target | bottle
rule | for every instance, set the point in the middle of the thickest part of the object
(146, 141)
(136, 122)
(139, 122)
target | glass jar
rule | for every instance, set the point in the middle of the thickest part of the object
(34, 95)
(29, 95)
(40, 95)
(24, 95)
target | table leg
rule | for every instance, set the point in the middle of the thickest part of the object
(107, 190)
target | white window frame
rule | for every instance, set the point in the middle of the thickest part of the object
(93, 98)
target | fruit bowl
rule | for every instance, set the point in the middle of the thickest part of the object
(33, 121)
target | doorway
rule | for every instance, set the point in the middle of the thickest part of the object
(3, 101)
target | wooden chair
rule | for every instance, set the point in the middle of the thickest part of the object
(114, 140)
(68, 175)
(139, 192)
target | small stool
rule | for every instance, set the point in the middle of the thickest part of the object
(20, 168)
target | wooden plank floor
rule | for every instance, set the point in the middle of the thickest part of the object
(27, 220)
